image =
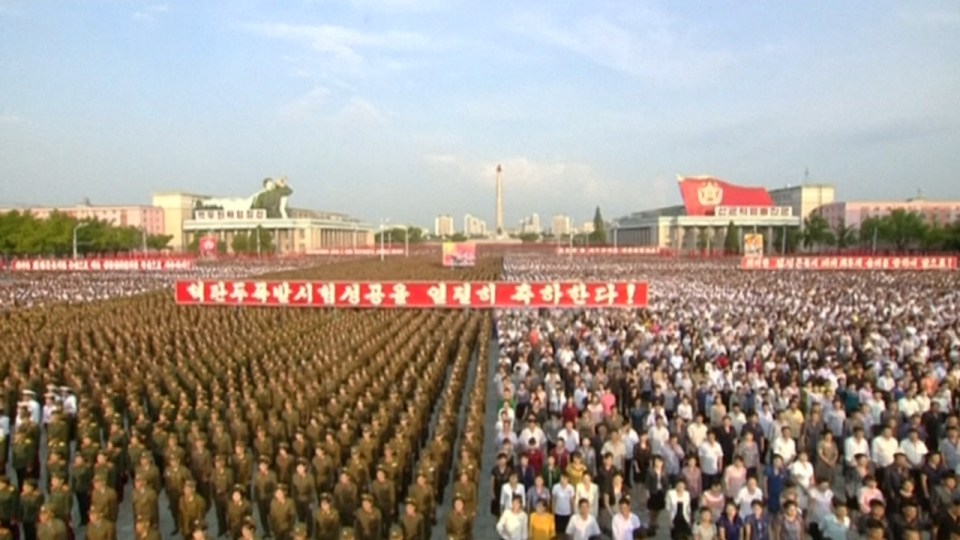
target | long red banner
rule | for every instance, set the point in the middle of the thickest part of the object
(848, 263)
(626, 250)
(102, 265)
(412, 294)
(357, 251)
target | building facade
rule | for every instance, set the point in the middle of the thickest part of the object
(146, 218)
(709, 206)
(804, 199)
(562, 225)
(474, 226)
(443, 226)
(853, 213)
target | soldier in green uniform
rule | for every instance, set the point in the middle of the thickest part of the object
(459, 522)
(346, 498)
(145, 505)
(24, 453)
(174, 478)
(348, 533)
(384, 497)
(31, 501)
(9, 502)
(467, 491)
(396, 533)
(300, 532)
(283, 514)
(99, 527)
(249, 531)
(304, 491)
(50, 527)
(81, 484)
(60, 501)
(264, 487)
(238, 511)
(369, 521)
(326, 520)
(422, 494)
(241, 462)
(193, 507)
(144, 530)
(104, 499)
(323, 469)
(221, 484)
(412, 522)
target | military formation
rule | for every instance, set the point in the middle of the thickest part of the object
(284, 424)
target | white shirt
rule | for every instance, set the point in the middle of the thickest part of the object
(803, 474)
(710, 456)
(563, 499)
(915, 451)
(591, 494)
(697, 434)
(820, 504)
(834, 529)
(745, 500)
(786, 448)
(676, 502)
(571, 439)
(623, 527)
(513, 526)
(507, 493)
(581, 528)
(852, 447)
(884, 450)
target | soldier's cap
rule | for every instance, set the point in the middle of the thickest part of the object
(410, 501)
(347, 533)
(381, 468)
(366, 428)
(366, 497)
(237, 488)
(30, 482)
(100, 477)
(220, 457)
(28, 392)
(282, 487)
(264, 459)
(300, 528)
(302, 461)
(284, 446)
(326, 497)
(199, 525)
(396, 533)
(190, 484)
(457, 497)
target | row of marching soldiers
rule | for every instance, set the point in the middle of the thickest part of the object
(328, 481)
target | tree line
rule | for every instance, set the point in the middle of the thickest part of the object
(24, 234)
(899, 231)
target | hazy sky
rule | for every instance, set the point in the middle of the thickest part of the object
(403, 108)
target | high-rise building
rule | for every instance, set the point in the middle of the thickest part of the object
(853, 213)
(531, 224)
(474, 226)
(443, 225)
(500, 230)
(588, 227)
(562, 225)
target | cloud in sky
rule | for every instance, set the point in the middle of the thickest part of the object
(151, 12)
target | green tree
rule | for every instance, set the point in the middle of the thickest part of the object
(529, 237)
(159, 241)
(458, 237)
(902, 228)
(262, 238)
(793, 239)
(599, 234)
(816, 232)
(844, 235)
(731, 241)
(870, 231)
(415, 234)
(240, 243)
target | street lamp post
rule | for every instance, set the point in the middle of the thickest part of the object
(383, 223)
(77, 227)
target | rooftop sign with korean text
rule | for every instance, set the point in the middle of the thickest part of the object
(412, 294)
(703, 195)
(858, 263)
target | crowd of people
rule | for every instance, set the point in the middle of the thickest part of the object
(738, 406)
(20, 290)
(135, 418)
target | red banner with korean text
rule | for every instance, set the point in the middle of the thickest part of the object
(356, 251)
(412, 294)
(858, 263)
(607, 250)
(156, 264)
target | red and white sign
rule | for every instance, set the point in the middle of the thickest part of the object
(848, 263)
(101, 265)
(412, 294)
(702, 195)
(628, 250)
(357, 251)
(208, 245)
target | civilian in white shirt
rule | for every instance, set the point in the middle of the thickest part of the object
(563, 498)
(748, 494)
(821, 502)
(854, 446)
(785, 446)
(659, 435)
(802, 473)
(571, 437)
(697, 432)
(513, 488)
(711, 460)
(884, 449)
(835, 525)
(583, 526)
(514, 523)
(625, 522)
(587, 490)
(914, 448)
(678, 508)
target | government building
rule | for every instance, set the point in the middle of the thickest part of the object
(710, 205)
